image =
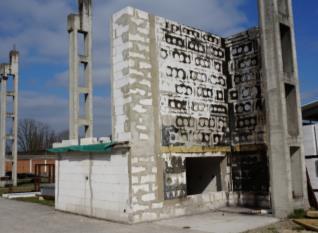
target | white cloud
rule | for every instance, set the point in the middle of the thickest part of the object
(38, 28)
(53, 110)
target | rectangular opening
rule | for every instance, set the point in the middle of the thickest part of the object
(9, 124)
(296, 172)
(250, 172)
(82, 105)
(82, 75)
(203, 175)
(10, 105)
(81, 43)
(82, 132)
(9, 144)
(10, 83)
(291, 108)
(287, 49)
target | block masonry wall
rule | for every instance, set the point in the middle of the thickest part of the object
(246, 101)
(134, 107)
(95, 185)
(193, 86)
(171, 101)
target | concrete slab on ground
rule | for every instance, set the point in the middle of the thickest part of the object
(20, 195)
(24, 217)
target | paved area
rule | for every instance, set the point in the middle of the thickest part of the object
(17, 217)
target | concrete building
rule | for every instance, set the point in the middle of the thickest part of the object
(9, 120)
(26, 162)
(80, 72)
(199, 122)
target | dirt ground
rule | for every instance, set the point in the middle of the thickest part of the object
(286, 226)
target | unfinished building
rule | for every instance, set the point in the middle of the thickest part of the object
(9, 73)
(80, 72)
(199, 122)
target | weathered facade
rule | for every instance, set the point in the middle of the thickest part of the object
(193, 98)
(209, 122)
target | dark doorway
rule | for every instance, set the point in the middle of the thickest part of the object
(250, 172)
(203, 175)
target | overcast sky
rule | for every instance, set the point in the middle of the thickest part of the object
(38, 28)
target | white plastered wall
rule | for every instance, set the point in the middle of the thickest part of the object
(93, 185)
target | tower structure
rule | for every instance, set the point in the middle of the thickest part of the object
(9, 71)
(283, 112)
(80, 65)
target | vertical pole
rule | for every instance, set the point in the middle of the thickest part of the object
(73, 22)
(14, 62)
(3, 112)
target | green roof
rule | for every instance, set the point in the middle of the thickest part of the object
(97, 148)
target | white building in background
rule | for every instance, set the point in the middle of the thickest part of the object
(310, 130)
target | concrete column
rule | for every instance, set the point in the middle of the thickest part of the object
(14, 62)
(281, 90)
(80, 24)
(3, 112)
(73, 24)
(10, 70)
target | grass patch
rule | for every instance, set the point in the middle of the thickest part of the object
(36, 200)
(23, 188)
(272, 230)
(298, 213)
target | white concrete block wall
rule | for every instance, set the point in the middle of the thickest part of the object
(310, 148)
(310, 139)
(95, 185)
(120, 80)
(311, 167)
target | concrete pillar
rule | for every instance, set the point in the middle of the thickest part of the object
(10, 70)
(3, 112)
(14, 62)
(281, 90)
(80, 25)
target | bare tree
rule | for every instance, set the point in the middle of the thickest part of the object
(35, 136)
(63, 135)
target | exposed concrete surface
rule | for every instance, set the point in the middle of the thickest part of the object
(24, 217)
(80, 70)
(9, 119)
(219, 222)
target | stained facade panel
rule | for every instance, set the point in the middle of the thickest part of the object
(203, 81)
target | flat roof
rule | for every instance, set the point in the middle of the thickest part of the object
(97, 148)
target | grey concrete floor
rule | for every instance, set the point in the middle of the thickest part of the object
(17, 217)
